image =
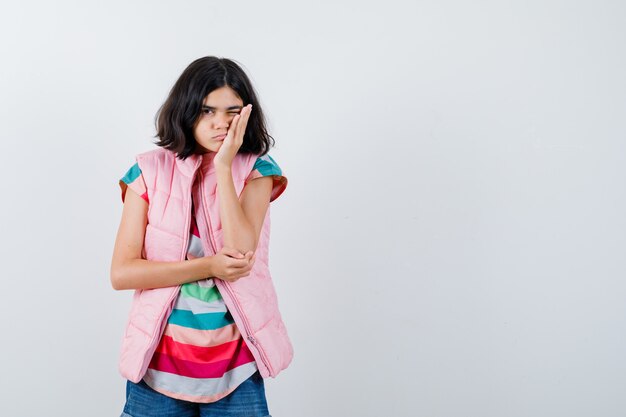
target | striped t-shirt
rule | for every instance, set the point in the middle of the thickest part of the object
(201, 356)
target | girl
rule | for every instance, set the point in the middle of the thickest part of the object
(204, 327)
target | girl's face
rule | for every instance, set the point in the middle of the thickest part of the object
(218, 110)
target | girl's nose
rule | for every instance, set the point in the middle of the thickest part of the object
(221, 121)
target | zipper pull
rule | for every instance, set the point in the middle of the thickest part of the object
(252, 340)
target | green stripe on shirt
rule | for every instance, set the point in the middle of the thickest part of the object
(208, 294)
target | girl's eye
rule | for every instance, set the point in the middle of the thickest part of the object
(207, 111)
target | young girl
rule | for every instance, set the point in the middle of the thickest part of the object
(204, 327)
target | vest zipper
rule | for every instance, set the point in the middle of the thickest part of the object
(226, 285)
(165, 316)
(247, 328)
(183, 255)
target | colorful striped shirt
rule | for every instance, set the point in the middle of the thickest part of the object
(201, 356)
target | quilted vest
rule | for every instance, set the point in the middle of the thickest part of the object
(251, 300)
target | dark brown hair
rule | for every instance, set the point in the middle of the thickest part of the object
(177, 117)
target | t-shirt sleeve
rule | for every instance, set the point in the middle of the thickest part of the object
(134, 180)
(266, 166)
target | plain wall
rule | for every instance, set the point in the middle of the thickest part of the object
(452, 238)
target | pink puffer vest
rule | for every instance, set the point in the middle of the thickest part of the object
(251, 300)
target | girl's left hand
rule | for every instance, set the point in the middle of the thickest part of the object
(234, 138)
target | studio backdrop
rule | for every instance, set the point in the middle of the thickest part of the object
(451, 241)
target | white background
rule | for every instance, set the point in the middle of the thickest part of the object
(451, 242)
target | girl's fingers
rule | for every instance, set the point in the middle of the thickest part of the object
(237, 273)
(239, 270)
(232, 129)
(239, 122)
(241, 264)
(233, 125)
(242, 122)
(246, 117)
(238, 263)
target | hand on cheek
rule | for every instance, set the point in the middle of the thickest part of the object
(234, 137)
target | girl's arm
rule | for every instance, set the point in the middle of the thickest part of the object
(130, 271)
(242, 218)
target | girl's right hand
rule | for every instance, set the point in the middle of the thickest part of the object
(229, 264)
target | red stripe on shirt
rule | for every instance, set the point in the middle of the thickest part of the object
(200, 354)
(165, 363)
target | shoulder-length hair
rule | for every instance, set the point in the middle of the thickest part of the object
(176, 118)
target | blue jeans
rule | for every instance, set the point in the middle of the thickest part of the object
(247, 400)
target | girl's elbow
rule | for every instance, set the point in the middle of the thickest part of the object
(249, 247)
(117, 278)
(243, 246)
